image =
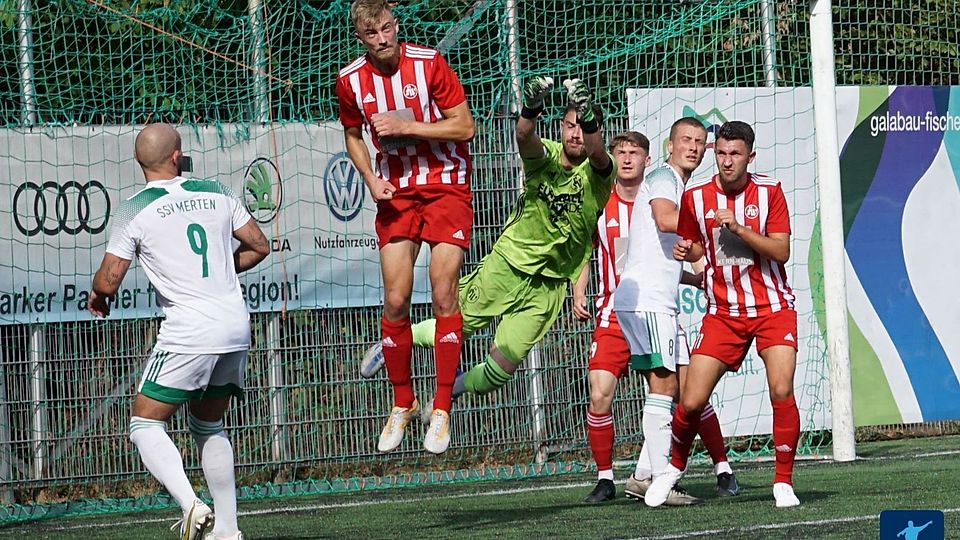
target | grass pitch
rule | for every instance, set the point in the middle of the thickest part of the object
(838, 501)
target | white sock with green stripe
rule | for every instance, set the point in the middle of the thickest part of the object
(656, 430)
(162, 458)
(216, 457)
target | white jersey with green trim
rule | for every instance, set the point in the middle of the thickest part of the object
(181, 231)
(651, 276)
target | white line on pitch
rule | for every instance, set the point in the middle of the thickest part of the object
(770, 527)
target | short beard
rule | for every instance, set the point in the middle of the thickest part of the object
(575, 158)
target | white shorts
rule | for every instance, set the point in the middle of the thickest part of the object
(655, 339)
(179, 377)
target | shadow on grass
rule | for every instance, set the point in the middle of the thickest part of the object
(501, 518)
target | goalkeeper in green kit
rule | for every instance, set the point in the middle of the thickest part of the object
(546, 241)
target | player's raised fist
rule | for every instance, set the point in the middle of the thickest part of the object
(534, 89)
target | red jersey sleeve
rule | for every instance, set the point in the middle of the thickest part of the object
(350, 115)
(687, 226)
(445, 88)
(778, 219)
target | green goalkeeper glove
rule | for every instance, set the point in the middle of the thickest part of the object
(580, 97)
(533, 91)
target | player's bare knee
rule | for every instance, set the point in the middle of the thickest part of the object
(781, 391)
(693, 406)
(445, 302)
(145, 407)
(600, 402)
(663, 382)
(396, 306)
(209, 409)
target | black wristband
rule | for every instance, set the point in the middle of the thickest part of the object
(529, 113)
(589, 126)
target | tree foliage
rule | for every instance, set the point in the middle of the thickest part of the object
(92, 65)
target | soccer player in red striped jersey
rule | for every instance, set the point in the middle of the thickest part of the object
(415, 112)
(740, 222)
(609, 353)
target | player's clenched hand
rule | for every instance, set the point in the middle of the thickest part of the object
(534, 89)
(580, 306)
(388, 125)
(726, 218)
(97, 305)
(380, 189)
(578, 94)
(681, 249)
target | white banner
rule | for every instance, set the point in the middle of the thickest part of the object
(783, 121)
(64, 183)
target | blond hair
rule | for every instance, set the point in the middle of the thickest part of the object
(368, 11)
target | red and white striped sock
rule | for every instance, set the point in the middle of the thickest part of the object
(600, 434)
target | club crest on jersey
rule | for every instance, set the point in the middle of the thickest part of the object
(751, 211)
(410, 91)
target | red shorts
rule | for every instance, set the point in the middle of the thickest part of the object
(433, 213)
(728, 338)
(609, 350)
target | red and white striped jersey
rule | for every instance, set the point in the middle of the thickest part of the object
(739, 283)
(421, 87)
(613, 226)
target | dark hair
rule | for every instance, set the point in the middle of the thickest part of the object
(686, 121)
(735, 130)
(597, 112)
(631, 137)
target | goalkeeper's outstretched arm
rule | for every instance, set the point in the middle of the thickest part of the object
(597, 152)
(590, 119)
(528, 142)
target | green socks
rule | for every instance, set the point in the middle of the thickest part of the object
(486, 377)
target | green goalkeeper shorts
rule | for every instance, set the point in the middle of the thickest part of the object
(527, 304)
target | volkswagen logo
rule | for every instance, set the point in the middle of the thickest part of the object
(259, 196)
(343, 188)
(52, 208)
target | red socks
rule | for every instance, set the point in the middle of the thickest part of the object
(397, 341)
(600, 435)
(448, 343)
(786, 433)
(711, 435)
(684, 430)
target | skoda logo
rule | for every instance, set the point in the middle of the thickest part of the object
(52, 208)
(261, 199)
(343, 188)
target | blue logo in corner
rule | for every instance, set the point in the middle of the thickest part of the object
(343, 187)
(911, 525)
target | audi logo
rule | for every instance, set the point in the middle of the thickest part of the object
(52, 208)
